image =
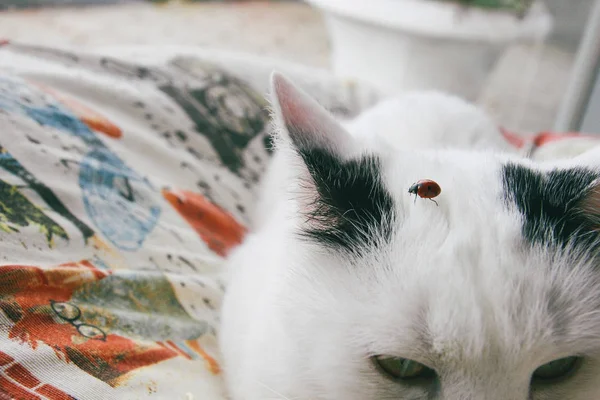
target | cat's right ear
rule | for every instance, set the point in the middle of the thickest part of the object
(305, 123)
(343, 203)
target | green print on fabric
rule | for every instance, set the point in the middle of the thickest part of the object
(16, 211)
(11, 165)
(139, 306)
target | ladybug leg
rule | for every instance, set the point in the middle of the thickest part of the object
(415, 202)
(436, 203)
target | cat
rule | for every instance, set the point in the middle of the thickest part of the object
(351, 288)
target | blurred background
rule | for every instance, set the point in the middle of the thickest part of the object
(532, 64)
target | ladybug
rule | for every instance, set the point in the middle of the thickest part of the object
(425, 189)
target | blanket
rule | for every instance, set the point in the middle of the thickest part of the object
(123, 185)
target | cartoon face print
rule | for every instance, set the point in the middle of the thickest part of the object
(108, 324)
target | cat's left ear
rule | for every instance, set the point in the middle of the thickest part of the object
(590, 204)
(559, 207)
(305, 122)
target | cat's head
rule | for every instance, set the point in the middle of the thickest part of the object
(492, 293)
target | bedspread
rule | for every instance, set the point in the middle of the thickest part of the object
(123, 185)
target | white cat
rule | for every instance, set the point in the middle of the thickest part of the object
(350, 288)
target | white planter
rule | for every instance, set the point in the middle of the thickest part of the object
(399, 45)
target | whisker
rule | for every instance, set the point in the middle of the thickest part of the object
(272, 390)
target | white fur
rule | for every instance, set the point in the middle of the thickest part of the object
(565, 149)
(428, 120)
(300, 322)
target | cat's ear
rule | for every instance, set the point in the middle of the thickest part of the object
(342, 200)
(560, 207)
(590, 204)
(305, 122)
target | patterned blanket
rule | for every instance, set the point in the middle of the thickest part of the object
(123, 185)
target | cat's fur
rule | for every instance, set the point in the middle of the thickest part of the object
(497, 280)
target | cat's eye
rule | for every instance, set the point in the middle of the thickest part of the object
(402, 368)
(557, 369)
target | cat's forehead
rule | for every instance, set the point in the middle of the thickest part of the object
(468, 199)
(464, 178)
(555, 207)
(505, 257)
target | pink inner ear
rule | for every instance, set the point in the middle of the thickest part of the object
(306, 121)
(290, 101)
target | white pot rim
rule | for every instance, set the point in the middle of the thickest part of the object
(444, 19)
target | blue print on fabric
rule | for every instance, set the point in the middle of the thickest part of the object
(119, 202)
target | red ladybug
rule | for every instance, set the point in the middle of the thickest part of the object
(426, 189)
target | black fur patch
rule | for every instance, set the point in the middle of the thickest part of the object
(353, 210)
(550, 204)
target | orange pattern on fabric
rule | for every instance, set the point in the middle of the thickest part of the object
(16, 382)
(14, 391)
(219, 230)
(213, 365)
(94, 120)
(20, 374)
(546, 137)
(541, 138)
(27, 292)
(53, 393)
(512, 138)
